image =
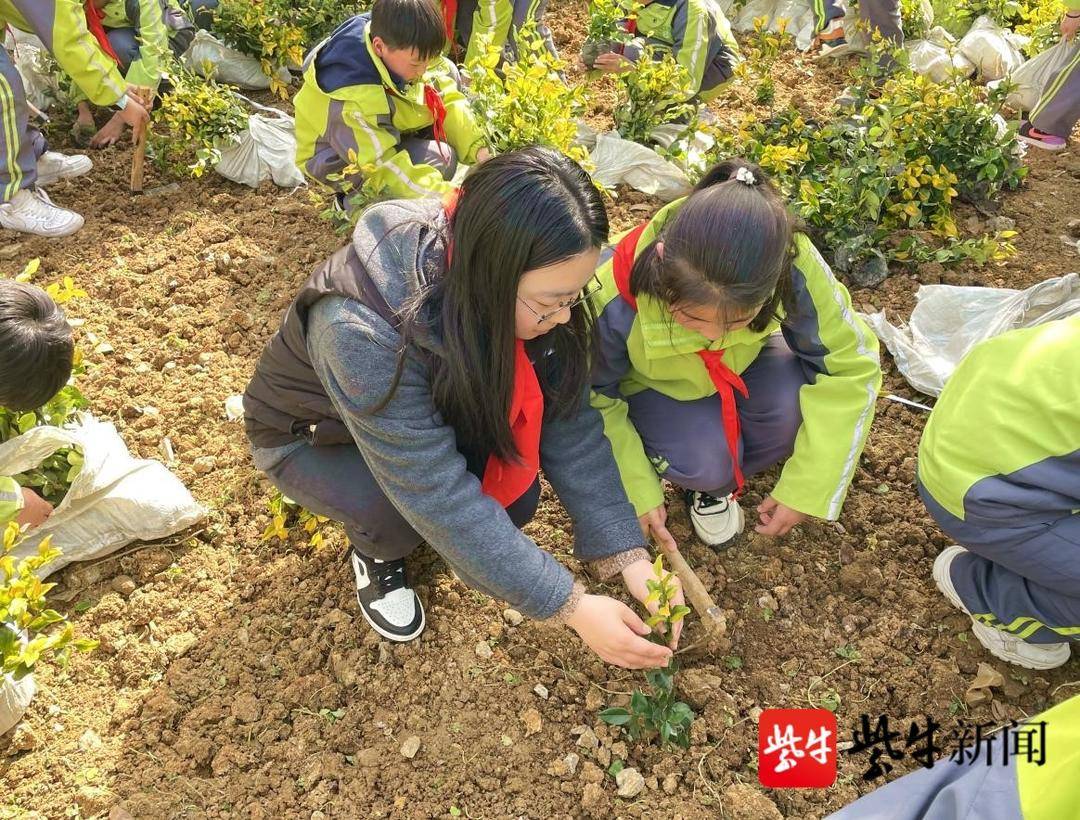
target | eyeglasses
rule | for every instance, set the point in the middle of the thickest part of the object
(591, 289)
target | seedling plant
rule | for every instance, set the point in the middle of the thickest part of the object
(527, 102)
(657, 92)
(193, 122)
(607, 28)
(29, 630)
(657, 713)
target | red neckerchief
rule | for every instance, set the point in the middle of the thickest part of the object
(434, 102)
(724, 379)
(96, 27)
(507, 481)
(449, 10)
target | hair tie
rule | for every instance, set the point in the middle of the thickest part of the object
(746, 176)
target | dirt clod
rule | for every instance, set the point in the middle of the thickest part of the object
(410, 747)
(743, 802)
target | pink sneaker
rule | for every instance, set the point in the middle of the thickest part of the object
(1033, 136)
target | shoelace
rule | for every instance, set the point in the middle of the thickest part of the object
(388, 576)
(705, 501)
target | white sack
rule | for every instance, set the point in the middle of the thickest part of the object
(948, 321)
(115, 499)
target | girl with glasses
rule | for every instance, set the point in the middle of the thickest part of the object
(428, 371)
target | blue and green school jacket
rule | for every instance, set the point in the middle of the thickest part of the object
(1002, 446)
(147, 17)
(491, 20)
(1026, 772)
(649, 350)
(61, 27)
(350, 101)
(695, 32)
(11, 500)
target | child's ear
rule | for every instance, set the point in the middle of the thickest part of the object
(660, 249)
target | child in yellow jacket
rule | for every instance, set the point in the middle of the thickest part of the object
(377, 94)
(725, 346)
(26, 166)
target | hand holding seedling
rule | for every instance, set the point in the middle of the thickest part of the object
(645, 584)
(614, 632)
(657, 712)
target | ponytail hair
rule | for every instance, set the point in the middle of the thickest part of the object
(730, 245)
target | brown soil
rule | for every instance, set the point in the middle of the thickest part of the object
(235, 679)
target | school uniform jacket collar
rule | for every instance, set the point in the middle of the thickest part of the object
(347, 60)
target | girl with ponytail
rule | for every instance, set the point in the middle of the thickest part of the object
(725, 346)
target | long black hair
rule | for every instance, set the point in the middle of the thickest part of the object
(516, 212)
(730, 245)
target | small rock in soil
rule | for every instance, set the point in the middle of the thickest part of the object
(483, 650)
(746, 803)
(594, 699)
(246, 708)
(369, 758)
(541, 691)
(531, 718)
(698, 687)
(588, 739)
(410, 747)
(670, 784)
(1074, 228)
(92, 799)
(591, 773)
(89, 741)
(571, 761)
(869, 273)
(512, 617)
(630, 783)
(122, 584)
(24, 739)
(120, 813)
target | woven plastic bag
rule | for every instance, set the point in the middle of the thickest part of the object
(948, 321)
(265, 150)
(226, 64)
(115, 499)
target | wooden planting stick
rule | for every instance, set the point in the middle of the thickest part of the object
(711, 615)
(139, 158)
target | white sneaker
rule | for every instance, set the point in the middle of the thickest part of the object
(31, 211)
(716, 520)
(386, 601)
(52, 166)
(998, 643)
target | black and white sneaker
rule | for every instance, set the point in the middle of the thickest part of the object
(716, 520)
(385, 598)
